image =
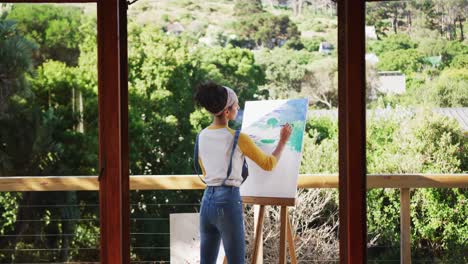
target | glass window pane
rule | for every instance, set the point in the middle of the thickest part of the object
(49, 126)
(417, 106)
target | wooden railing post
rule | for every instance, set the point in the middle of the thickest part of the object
(405, 226)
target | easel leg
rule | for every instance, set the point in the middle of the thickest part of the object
(292, 250)
(283, 226)
(256, 257)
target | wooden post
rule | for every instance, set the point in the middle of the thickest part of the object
(257, 255)
(352, 131)
(113, 132)
(405, 226)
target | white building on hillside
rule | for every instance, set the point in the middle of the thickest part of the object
(370, 32)
(392, 82)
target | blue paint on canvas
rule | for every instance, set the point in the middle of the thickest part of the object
(294, 112)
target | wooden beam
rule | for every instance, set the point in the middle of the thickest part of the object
(113, 132)
(48, 1)
(269, 201)
(192, 182)
(125, 180)
(405, 226)
(418, 181)
(352, 131)
(387, 0)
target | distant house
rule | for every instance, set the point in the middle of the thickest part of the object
(370, 32)
(392, 82)
(371, 58)
(175, 28)
(325, 47)
(435, 61)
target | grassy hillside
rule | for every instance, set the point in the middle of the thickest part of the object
(197, 15)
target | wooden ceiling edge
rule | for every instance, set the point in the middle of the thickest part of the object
(46, 1)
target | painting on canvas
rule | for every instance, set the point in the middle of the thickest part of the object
(262, 121)
(185, 239)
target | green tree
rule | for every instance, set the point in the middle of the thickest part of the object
(15, 63)
(247, 7)
(407, 61)
(285, 71)
(393, 11)
(451, 89)
(404, 143)
(392, 43)
(52, 28)
(268, 31)
(449, 13)
(320, 83)
(39, 137)
(424, 143)
(453, 50)
(233, 67)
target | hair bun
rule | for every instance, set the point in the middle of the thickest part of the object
(211, 96)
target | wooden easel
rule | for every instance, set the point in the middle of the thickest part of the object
(286, 234)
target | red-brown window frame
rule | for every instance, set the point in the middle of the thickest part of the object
(113, 128)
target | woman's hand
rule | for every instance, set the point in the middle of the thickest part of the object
(285, 133)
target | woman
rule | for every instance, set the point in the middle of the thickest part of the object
(221, 215)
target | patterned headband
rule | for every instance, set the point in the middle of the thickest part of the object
(231, 99)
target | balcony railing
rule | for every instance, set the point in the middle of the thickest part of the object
(404, 182)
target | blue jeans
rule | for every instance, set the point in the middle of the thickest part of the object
(221, 217)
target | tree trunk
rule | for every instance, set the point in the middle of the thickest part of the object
(73, 102)
(49, 98)
(460, 23)
(453, 28)
(294, 6)
(80, 112)
(409, 21)
(299, 6)
(395, 20)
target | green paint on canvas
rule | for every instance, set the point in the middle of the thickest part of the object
(295, 141)
(272, 122)
(267, 141)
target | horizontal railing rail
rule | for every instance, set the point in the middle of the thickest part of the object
(192, 182)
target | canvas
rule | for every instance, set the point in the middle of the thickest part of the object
(262, 121)
(185, 239)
